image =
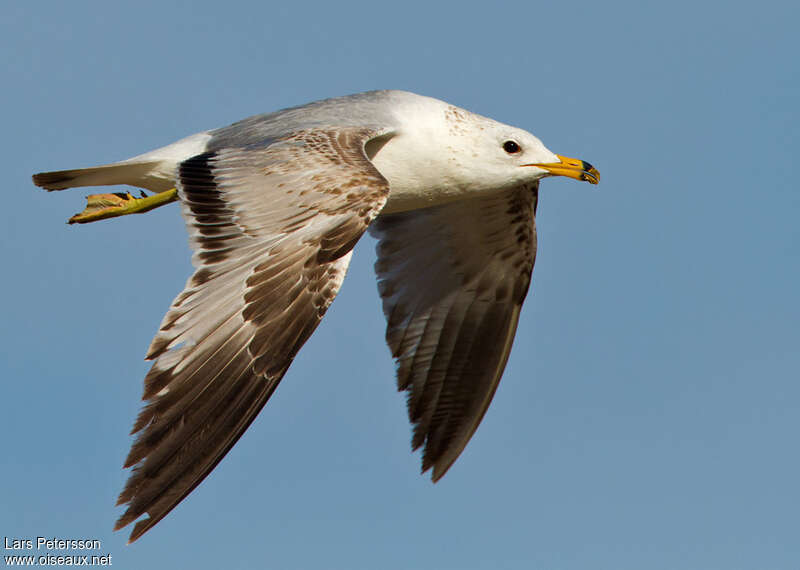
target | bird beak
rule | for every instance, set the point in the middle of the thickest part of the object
(571, 167)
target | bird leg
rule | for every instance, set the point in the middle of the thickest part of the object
(102, 206)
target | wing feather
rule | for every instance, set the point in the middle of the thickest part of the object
(453, 279)
(272, 229)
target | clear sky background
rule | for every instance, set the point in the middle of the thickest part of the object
(649, 415)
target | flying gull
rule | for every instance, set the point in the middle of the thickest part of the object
(274, 205)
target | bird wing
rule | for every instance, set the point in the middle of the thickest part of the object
(272, 229)
(453, 279)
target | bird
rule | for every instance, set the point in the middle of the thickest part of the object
(274, 205)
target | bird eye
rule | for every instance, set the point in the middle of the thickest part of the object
(511, 147)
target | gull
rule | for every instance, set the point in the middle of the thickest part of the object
(274, 205)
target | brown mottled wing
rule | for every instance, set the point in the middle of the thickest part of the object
(272, 229)
(453, 279)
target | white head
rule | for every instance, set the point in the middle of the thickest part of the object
(441, 152)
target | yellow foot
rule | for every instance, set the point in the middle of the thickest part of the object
(102, 206)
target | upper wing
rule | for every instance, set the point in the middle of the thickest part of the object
(272, 230)
(453, 279)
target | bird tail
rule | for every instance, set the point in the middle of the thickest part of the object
(132, 173)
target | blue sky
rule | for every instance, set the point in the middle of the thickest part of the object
(648, 416)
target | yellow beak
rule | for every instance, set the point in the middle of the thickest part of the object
(571, 167)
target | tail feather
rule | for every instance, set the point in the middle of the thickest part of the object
(140, 174)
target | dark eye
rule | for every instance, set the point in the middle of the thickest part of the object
(511, 147)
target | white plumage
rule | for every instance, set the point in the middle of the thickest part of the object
(274, 205)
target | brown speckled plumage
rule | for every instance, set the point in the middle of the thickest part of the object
(451, 335)
(274, 205)
(222, 349)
